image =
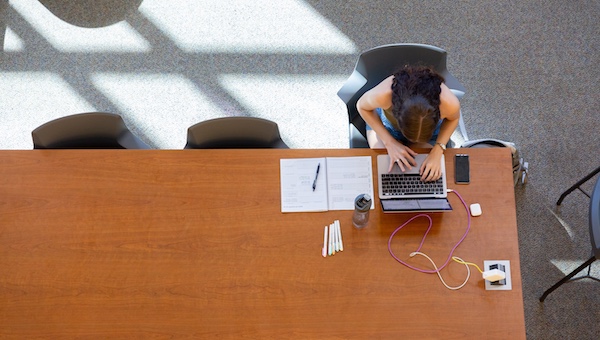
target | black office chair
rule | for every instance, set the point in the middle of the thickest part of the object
(93, 130)
(235, 133)
(594, 238)
(378, 63)
(577, 186)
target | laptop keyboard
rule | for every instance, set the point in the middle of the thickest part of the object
(409, 184)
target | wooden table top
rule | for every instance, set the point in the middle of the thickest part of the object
(192, 243)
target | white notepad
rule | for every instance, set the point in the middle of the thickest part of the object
(340, 180)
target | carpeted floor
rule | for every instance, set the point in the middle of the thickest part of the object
(530, 69)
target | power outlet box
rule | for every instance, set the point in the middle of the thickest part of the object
(489, 265)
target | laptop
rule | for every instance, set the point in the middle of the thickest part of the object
(403, 191)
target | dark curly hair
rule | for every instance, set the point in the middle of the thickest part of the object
(416, 101)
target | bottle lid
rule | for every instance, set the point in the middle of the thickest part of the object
(363, 201)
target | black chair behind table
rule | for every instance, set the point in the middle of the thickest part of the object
(93, 130)
(235, 133)
(594, 222)
(378, 63)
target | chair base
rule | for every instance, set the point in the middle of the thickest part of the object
(578, 186)
(568, 278)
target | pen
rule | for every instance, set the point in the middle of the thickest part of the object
(334, 238)
(331, 251)
(339, 228)
(316, 176)
(324, 250)
(337, 237)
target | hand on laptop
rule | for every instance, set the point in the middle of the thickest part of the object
(402, 155)
(431, 169)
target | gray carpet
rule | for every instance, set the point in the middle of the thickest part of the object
(530, 69)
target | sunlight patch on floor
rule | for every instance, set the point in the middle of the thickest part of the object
(562, 222)
(246, 26)
(64, 37)
(167, 104)
(30, 99)
(12, 42)
(297, 103)
(567, 266)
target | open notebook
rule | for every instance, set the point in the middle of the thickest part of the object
(339, 181)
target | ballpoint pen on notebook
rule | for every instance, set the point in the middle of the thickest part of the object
(314, 186)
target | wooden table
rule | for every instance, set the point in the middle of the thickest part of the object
(192, 243)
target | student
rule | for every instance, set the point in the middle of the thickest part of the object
(413, 107)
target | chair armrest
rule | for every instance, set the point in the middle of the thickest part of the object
(354, 83)
(357, 140)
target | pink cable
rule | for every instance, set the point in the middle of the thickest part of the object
(424, 236)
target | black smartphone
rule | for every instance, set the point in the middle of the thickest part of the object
(461, 169)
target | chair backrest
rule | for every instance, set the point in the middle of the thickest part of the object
(378, 63)
(93, 130)
(235, 133)
(595, 219)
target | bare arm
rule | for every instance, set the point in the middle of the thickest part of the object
(450, 112)
(381, 97)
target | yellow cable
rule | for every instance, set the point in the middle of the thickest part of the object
(459, 260)
(440, 275)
